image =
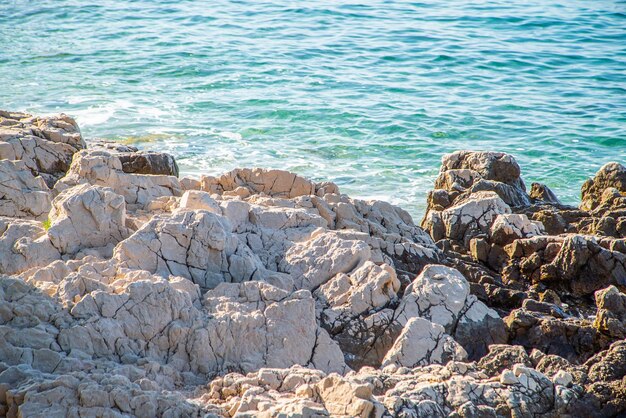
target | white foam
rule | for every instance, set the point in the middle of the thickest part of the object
(230, 135)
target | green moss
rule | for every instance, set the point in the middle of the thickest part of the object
(46, 224)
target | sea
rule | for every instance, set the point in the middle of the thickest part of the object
(369, 94)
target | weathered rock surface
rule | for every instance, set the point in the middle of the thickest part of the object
(139, 162)
(21, 194)
(197, 245)
(44, 145)
(101, 168)
(126, 292)
(87, 216)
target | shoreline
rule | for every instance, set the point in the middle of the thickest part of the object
(413, 204)
(129, 290)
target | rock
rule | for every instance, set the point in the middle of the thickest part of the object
(467, 219)
(189, 183)
(87, 216)
(502, 357)
(344, 398)
(495, 166)
(347, 296)
(573, 339)
(421, 343)
(508, 227)
(278, 329)
(149, 162)
(612, 300)
(139, 162)
(508, 378)
(276, 183)
(610, 176)
(313, 262)
(543, 307)
(604, 391)
(585, 266)
(197, 245)
(353, 307)
(24, 245)
(563, 378)
(101, 168)
(261, 293)
(464, 173)
(438, 294)
(441, 295)
(44, 145)
(542, 192)
(611, 316)
(194, 199)
(21, 194)
(478, 328)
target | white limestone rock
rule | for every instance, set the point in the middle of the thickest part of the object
(102, 168)
(421, 343)
(277, 183)
(468, 218)
(508, 227)
(313, 262)
(87, 216)
(260, 325)
(197, 245)
(327, 354)
(44, 145)
(347, 296)
(195, 199)
(438, 294)
(342, 397)
(24, 245)
(442, 295)
(22, 195)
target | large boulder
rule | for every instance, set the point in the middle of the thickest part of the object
(135, 161)
(22, 195)
(87, 216)
(442, 295)
(45, 145)
(101, 168)
(611, 176)
(423, 342)
(465, 172)
(277, 183)
(24, 245)
(197, 245)
(469, 218)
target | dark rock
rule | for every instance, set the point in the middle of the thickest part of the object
(480, 248)
(543, 307)
(501, 357)
(605, 389)
(610, 176)
(542, 192)
(584, 266)
(149, 162)
(139, 162)
(573, 339)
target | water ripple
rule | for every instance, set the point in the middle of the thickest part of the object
(369, 95)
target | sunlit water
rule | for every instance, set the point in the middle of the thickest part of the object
(368, 94)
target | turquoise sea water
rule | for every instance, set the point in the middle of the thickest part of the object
(369, 94)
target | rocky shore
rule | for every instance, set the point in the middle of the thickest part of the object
(126, 291)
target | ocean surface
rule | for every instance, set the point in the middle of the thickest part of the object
(369, 94)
